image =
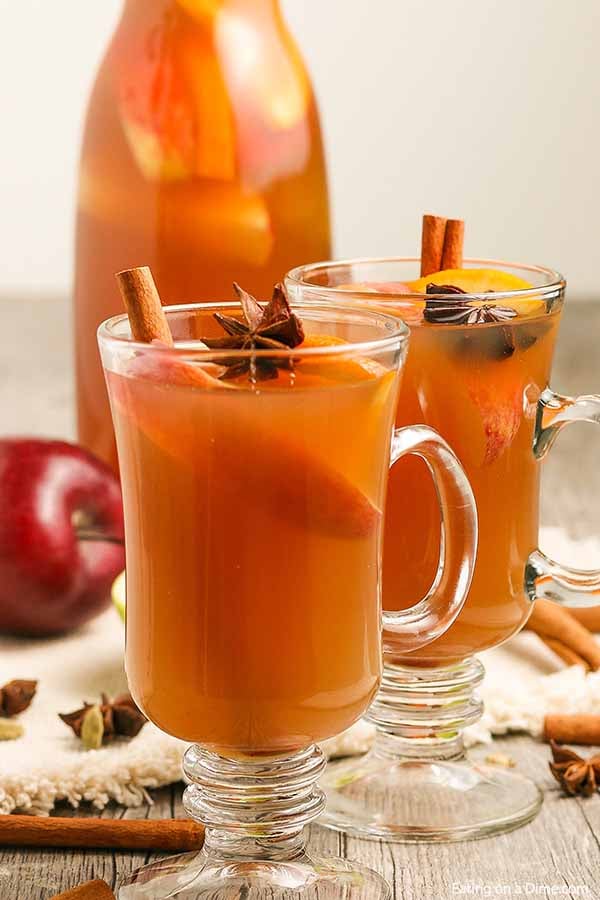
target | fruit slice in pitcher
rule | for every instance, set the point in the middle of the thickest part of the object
(174, 107)
(202, 10)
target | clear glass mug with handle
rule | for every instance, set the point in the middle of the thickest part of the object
(479, 378)
(253, 520)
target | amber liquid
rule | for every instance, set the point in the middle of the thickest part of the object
(253, 522)
(482, 399)
(202, 158)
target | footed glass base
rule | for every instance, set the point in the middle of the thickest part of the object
(416, 784)
(422, 800)
(199, 876)
(255, 812)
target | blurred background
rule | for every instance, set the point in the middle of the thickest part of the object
(473, 108)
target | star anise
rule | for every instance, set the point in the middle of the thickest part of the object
(100, 723)
(453, 309)
(16, 696)
(575, 774)
(270, 327)
(459, 311)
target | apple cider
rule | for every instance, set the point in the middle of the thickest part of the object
(481, 349)
(253, 524)
(202, 157)
(479, 386)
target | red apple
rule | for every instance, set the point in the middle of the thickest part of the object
(51, 579)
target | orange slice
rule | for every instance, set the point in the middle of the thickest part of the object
(473, 281)
(338, 368)
(483, 281)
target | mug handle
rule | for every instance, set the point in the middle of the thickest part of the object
(432, 616)
(544, 577)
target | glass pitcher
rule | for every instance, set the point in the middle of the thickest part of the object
(202, 157)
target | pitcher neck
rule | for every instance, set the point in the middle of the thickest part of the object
(202, 11)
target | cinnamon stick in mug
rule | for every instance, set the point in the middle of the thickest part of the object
(432, 244)
(452, 253)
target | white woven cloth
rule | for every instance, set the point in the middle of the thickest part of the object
(524, 681)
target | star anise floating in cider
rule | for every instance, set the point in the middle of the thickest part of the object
(446, 306)
(270, 327)
(575, 774)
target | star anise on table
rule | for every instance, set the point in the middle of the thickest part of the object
(16, 696)
(575, 774)
(100, 723)
(270, 327)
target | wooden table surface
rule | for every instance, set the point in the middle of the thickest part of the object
(556, 855)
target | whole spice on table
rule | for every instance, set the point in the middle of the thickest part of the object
(10, 731)
(572, 728)
(96, 724)
(91, 890)
(16, 696)
(551, 621)
(575, 774)
(172, 835)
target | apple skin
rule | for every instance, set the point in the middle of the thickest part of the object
(51, 581)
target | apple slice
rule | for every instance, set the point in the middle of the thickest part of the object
(288, 476)
(500, 404)
(175, 108)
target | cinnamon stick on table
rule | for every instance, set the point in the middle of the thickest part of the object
(567, 654)
(124, 834)
(588, 616)
(576, 728)
(91, 890)
(554, 622)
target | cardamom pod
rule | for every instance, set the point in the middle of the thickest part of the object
(10, 731)
(92, 728)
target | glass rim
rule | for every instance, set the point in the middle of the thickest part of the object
(397, 333)
(555, 284)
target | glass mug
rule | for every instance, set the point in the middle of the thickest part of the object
(253, 519)
(484, 388)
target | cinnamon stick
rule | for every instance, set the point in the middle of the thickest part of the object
(576, 728)
(588, 616)
(339, 507)
(432, 244)
(568, 656)
(552, 621)
(142, 302)
(91, 890)
(124, 834)
(452, 253)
